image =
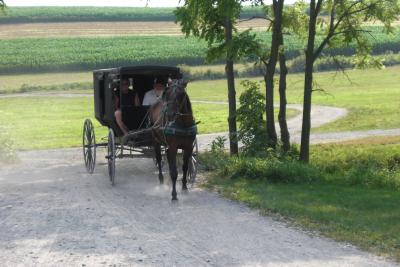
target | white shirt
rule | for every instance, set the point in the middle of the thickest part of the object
(150, 98)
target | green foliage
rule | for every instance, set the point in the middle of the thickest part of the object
(376, 166)
(370, 166)
(346, 26)
(7, 152)
(207, 19)
(210, 20)
(250, 115)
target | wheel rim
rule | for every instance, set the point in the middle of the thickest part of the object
(89, 146)
(192, 168)
(111, 156)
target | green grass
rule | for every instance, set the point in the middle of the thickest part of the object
(367, 218)
(372, 96)
(349, 192)
(53, 122)
(38, 82)
(24, 55)
(76, 14)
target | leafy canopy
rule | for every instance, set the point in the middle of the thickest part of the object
(209, 20)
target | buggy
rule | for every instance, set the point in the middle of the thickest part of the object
(139, 140)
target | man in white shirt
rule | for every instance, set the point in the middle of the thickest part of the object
(154, 94)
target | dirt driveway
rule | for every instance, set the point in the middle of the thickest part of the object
(54, 214)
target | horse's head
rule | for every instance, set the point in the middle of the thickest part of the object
(176, 99)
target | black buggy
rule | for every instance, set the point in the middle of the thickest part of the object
(139, 141)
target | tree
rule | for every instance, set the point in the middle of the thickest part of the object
(214, 21)
(343, 26)
(282, 18)
(2, 5)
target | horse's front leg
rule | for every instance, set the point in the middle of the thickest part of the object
(187, 153)
(157, 149)
(171, 154)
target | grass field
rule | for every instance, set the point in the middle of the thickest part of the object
(372, 96)
(350, 192)
(76, 14)
(53, 122)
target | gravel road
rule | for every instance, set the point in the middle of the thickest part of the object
(54, 214)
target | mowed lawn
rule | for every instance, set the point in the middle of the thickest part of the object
(52, 122)
(372, 96)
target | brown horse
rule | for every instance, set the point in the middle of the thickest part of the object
(174, 126)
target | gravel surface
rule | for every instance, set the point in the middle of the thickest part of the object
(54, 214)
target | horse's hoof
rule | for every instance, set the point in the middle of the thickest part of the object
(174, 199)
(184, 189)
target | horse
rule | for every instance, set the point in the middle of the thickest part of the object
(173, 126)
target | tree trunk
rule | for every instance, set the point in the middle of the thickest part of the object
(308, 82)
(233, 144)
(285, 136)
(269, 75)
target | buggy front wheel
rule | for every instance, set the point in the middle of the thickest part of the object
(111, 155)
(192, 168)
(89, 146)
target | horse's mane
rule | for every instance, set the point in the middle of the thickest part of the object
(188, 104)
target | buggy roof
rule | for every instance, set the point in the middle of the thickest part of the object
(143, 70)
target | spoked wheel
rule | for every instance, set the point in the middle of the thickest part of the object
(89, 146)
(192, 168)
(111, 155)
(163, 158)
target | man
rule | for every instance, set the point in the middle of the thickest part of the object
(154, 94)
(136, 102)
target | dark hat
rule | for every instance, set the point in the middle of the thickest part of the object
(161, 80)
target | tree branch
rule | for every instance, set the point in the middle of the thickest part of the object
(256, 17)
(333, 26)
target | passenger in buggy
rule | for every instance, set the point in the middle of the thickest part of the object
(118, 115)
(154, 94)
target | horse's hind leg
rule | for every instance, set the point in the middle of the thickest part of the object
(171, 154)
(157, 148)
(186, 156)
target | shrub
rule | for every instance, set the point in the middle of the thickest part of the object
(7, 152)
(252, 132)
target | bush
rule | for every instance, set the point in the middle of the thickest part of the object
(372, 166)
(252, 132)
(7, 152)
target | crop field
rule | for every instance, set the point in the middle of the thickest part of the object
(73, 54)
(65, 14)
(102, 29)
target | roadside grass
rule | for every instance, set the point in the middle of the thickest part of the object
(54, 122)
(44, 81)
(350, 192)
(367, 218)
(7, 151)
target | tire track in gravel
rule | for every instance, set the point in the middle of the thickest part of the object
(153, 223)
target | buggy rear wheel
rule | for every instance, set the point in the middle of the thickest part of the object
(192, 168)
(111, 155)
(89, 146)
